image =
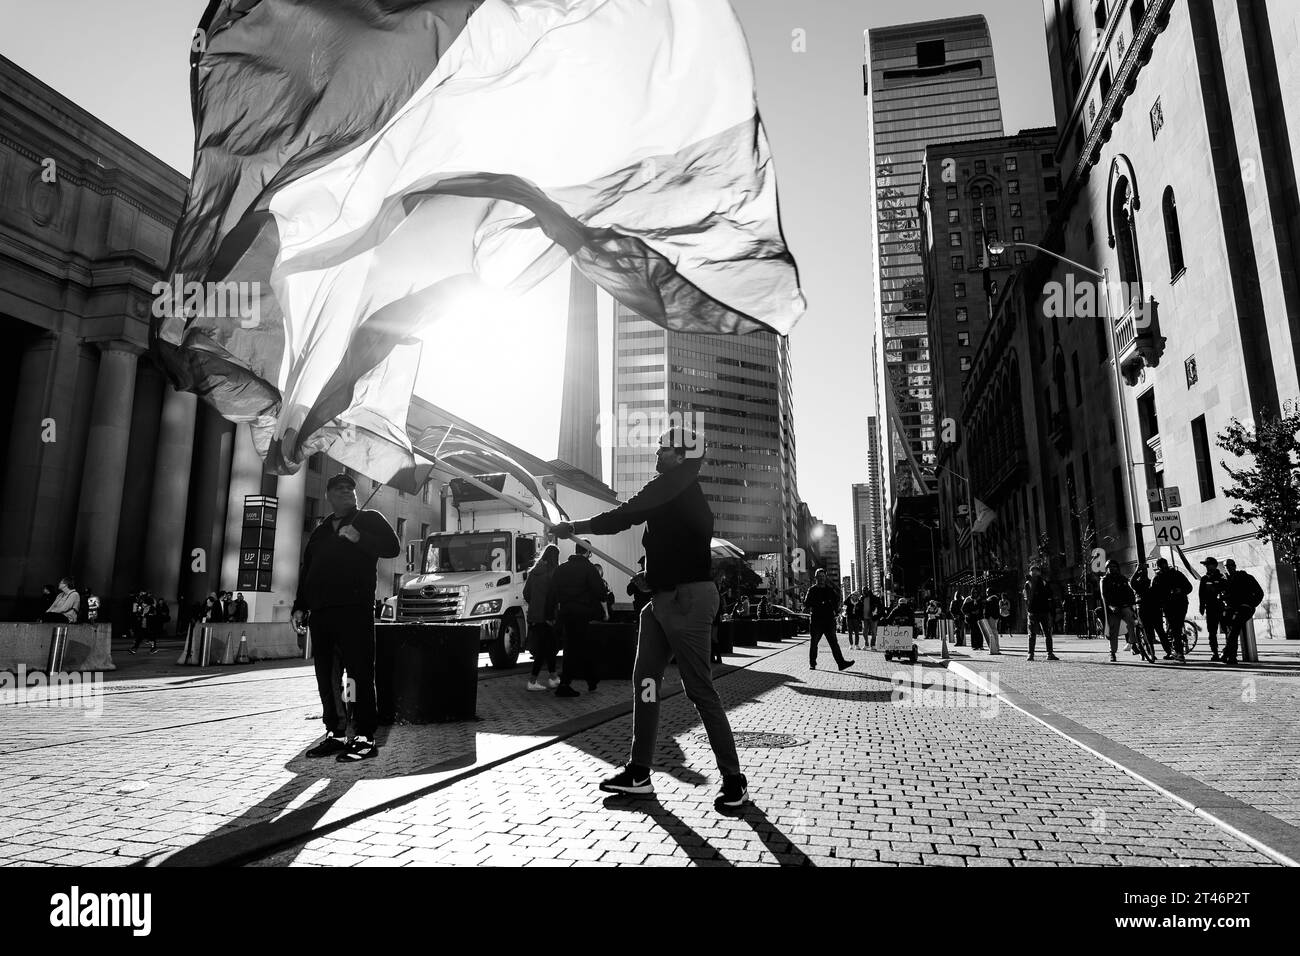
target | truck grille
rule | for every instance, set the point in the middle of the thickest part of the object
(442, 605)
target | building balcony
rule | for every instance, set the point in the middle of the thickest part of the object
(1138, 341)
(1059, 432)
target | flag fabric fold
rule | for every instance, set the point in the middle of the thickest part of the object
(360, 164)
(984, 516)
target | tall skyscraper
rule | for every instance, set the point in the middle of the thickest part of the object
(580, 402)
(928, 82)
(864, 529)
(736, 390)
(875, 553)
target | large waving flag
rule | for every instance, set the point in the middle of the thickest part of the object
(360, 163)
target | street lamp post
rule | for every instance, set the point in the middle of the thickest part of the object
(998, 248)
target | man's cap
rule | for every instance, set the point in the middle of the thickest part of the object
(1162, 562)
(343, 478)
(1230, 561)
(1211, 562)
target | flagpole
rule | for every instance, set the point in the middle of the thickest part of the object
(520, 506)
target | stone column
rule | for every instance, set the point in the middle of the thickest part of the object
(206, 521)
(164, 547)
(104, 471)
(245, 479)
(292, 493)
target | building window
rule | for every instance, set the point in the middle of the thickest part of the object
(1189, 369)
(959, 290)
(981, 166)
(1019, 258)
(954, 216)
(401, 528)
(1204, 471)
(962, 314)
(930, 53)
(1052, 184)
(1015, 210)
(1099, 15)
(963, 363)
(954, 240)
(1011, 164)
(951, 193)
(963, 340)
(1157, 118)
(426, 491)
(1078, 379)
(1013, 187)
(976, 193)
(424, 530)
(958, 263)
(1017, 233)
(1173, 235)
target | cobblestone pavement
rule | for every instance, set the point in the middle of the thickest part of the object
(941, 776)
(1235, 729)
(185, 759)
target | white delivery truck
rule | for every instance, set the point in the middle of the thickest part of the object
(476, 572)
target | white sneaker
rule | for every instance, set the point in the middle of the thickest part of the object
(553, 682)
(534, 685)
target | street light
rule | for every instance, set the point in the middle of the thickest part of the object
(998, 247)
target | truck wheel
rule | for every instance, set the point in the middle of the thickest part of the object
(504, 651)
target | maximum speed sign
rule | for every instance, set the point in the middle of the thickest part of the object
(1168, 527)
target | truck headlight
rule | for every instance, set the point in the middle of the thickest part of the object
(486, 607)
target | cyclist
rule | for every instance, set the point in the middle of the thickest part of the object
(1150, 611)
(1170, 589)
(1117, 595)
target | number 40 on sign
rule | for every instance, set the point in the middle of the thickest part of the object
(1168, 527)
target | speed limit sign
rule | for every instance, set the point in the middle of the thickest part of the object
(1168, 527)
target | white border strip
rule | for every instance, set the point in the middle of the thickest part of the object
(974, 678)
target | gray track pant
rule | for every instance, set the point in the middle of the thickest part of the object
(678, 623)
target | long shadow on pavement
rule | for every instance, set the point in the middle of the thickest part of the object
(701, 852)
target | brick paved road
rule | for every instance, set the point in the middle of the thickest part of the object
(1236, 729)
(959, 783)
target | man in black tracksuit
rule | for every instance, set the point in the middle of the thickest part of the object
(1170, 589)
(678, 621)
(578, 591)
(336, 586)
(823, 603)
(1210, 596)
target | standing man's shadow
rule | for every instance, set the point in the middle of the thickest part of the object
(699, 849)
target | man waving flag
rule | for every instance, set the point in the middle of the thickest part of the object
(362, 163)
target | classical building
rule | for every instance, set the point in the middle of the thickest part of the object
(1177, 126)
(110, 475)
(972, 193)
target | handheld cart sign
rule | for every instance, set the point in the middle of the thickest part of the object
(896, 641)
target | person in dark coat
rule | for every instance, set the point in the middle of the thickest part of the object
(239, 609)
(1241, 595)
(958, 619)
(580, 594)
(336, 587)
(1118, 597)
(823, 602)
(539, 593)
(1037, 594)
(1149, 609)
(973, 610)
(1210, 598)
(1171, 589)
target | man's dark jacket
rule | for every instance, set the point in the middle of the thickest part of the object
(1116, 592)
(337, 573)
(1170, 587)
(1038, 596)
(1242, 590)
(678, 526)
(578, 589)
(822, 603)
(1211, 590)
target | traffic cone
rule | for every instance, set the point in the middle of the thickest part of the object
(242, 656)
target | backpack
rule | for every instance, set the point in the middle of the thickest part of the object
(1256, 592)
(1004, 608)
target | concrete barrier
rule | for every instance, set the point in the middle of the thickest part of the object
(86, 647)
(209, 644)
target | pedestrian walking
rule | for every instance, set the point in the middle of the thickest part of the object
(1118, 597)
(1037, 595)
(65, 605)
(580, 595)
(958, 619)
(678, 535)
(539, 594)
(973, 610)
(336, 598)
(1241, 595)
(1170, 590)
(854, 613)
(872, 610)
(1004, 614)
(239, 609)
(992, 610)
(1210, 598)
(1150, 610)
(822, 602)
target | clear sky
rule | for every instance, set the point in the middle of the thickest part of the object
(126, 61)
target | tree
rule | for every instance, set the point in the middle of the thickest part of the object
(1269, 491)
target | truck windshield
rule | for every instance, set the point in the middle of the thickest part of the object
(448, 553)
